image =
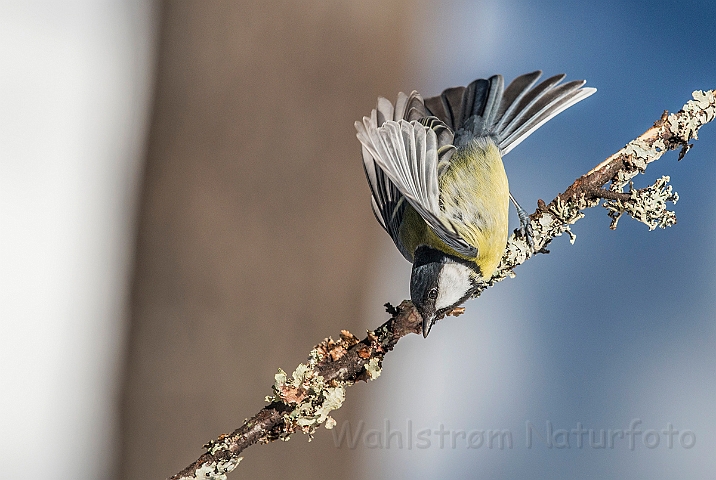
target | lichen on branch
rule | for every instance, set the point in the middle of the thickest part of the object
(304, 400)
(647, 205)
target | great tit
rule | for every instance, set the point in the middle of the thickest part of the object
(438, 184)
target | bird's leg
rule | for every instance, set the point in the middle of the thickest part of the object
(525, 225)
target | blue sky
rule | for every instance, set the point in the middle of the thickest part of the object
(618, 327)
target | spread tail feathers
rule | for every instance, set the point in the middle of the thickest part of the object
(509, 115)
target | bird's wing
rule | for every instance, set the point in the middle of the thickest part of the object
(532, 108)
(387, 201)
(508, 115)
(409, 154)
(479, 100)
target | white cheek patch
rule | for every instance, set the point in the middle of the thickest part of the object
(453, 284)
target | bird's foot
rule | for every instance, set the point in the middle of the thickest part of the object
(525, 229)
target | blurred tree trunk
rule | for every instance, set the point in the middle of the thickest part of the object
(255, 230)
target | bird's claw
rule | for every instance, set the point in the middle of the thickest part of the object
(525, 229)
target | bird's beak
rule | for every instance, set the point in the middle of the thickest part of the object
(428, 321)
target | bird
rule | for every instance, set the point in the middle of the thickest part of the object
(438, 184)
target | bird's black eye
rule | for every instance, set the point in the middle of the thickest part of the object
(433, 294)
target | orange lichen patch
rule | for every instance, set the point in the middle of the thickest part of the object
(364, 352)
(348, 339)
(326, 347)
(456, 312)
(337, 352)
(291, 394)
(336, 349)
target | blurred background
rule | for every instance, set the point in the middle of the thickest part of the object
(183, 210)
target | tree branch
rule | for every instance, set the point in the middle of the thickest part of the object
(304, 400)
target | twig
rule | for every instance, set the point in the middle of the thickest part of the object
(304, 400)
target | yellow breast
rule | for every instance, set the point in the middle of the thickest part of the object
(474, 194)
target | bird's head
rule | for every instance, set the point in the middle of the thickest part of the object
(439, 283)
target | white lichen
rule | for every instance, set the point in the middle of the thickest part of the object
(647, 205)
(218, 471)
(696, 112)
(373, 368)
(330, 423)
(314, 400)
(622, 179)
(639, 152)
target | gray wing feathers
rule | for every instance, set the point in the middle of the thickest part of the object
(474, 107)
(440, 106)
(415, 108)
(384, 195)
(515, 92)
(534, 111)
(407, 152)
(445, 139)
(492, 102)
(509, 115)
(387, 202)
(405, 106)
